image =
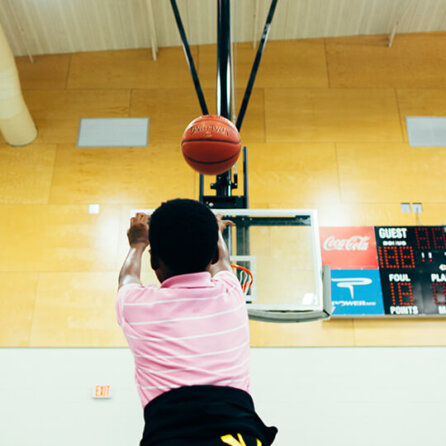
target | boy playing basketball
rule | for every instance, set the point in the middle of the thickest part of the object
(189, 337)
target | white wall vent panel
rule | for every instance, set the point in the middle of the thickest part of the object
(426, 131)
(113, 132)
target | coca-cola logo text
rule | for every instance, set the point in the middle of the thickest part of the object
(354, 243)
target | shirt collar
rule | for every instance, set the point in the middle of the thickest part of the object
(194, 280)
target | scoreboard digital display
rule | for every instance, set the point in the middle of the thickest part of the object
(412, 267)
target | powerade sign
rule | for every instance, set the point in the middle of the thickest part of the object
(356, 292)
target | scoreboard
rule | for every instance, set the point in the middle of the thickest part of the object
(386, 270)
(412, 266)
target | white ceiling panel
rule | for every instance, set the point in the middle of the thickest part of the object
(60, 26)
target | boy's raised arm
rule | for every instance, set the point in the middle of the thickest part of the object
(224, 262)
(138, 241)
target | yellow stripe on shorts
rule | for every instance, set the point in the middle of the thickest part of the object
(229, 439)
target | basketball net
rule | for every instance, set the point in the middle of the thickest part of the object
(245, 277)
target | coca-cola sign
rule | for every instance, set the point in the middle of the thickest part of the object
(354, 243)
(349, 247)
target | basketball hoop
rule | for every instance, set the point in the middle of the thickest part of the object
(245, 277)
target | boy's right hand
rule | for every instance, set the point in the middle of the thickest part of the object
(138, 232)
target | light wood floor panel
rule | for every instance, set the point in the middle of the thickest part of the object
(390, 173)
(47, 72)
(156, 173)
(375, 173)
(58, 238)
(414, 102)
(429, 164)
(253, 125)
(433, 214)
(349, 332)
(308, 334)
(17, 300)
(396, 332)
(382, 214)
(57, 112)
(362, 214)
(131, 69)
(297, 63)
(76, 310)
(293, 173)
(331, 115)
(170, 112)
(413, 61)
(168, 120)
(26, 173)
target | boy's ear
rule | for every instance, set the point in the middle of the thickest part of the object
(215, 256)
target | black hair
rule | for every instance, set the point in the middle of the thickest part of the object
(183, 233)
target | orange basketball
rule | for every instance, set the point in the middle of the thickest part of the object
(211, 144)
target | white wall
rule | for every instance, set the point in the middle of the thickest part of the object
(316, 396)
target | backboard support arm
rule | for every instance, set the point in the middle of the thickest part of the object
(189, 58)
(255, 65)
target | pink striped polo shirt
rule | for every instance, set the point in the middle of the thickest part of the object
(193, 330)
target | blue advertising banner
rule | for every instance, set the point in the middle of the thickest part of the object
(356, 292)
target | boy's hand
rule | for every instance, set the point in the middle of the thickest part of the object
(223, 224)
(138, 232)
(224, 261)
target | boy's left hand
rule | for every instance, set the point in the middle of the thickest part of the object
(223, 224)
(138, 232)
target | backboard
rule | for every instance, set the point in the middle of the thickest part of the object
(281, 248)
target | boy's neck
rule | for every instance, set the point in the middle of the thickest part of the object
(164, 272)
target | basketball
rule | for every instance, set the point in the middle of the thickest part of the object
(211, 144)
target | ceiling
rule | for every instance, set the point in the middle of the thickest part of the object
(61, 26)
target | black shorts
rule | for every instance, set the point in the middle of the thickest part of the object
(204, 416)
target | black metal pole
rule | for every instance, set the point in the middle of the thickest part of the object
(255, 66)
(224, 59)
(245, 177)
(201, 188)
(242, 231)
(189, 58)
(223, 183)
